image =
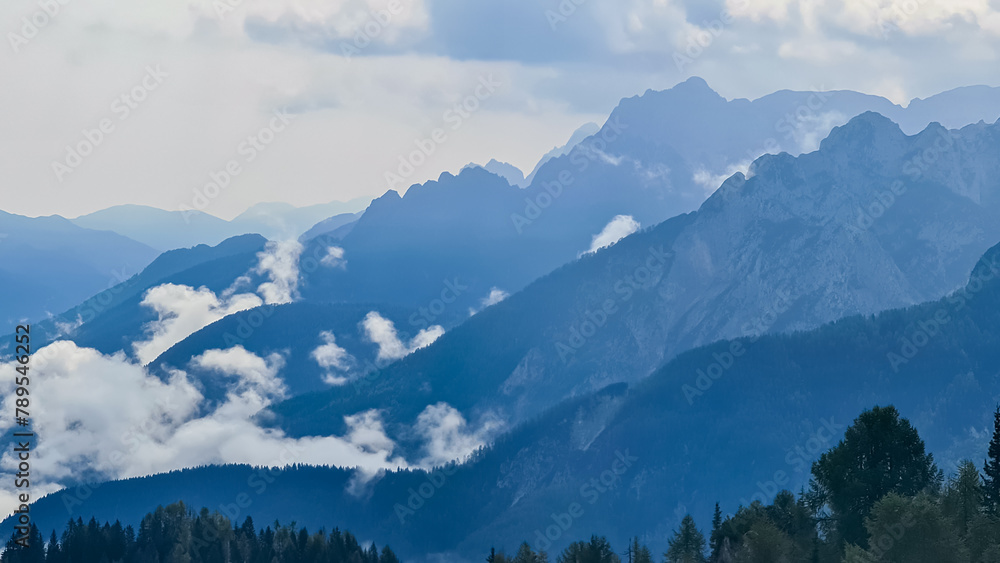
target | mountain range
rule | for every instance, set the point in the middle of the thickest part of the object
(697, 291)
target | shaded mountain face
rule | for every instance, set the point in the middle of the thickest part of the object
(169, 230)
(296, 332)
(48, 264)
(733, 422)
(659, 155)
(160, 229)
(112, 319)
(873, 220)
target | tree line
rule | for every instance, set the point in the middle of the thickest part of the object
(877, 496)
(176, 534)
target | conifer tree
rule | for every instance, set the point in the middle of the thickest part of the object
(991, 469)
(715, 539)
(687, 545)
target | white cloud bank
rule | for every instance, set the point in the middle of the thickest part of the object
(495, 296)
(155, 426)
(182, 310)
(335, 360)
(618, 228)
(382, 332)
(280, 262)
(448, 436)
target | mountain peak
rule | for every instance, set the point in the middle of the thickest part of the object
(869, 130)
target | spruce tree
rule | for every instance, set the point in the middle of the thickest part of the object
(715, 539)
(687, 545)
(991, 469)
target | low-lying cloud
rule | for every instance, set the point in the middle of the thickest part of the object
(448, 436)
(336, 361)
(279, 261)
(334, 258)
(382, 332)
(495, 296)
(618, 228)
(182, 311)
(157, 426)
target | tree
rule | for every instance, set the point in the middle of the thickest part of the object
(766, 543)
(963, 498)
(597, 550)
(388, 556)
(687, 545)
(991, 469)
(639, 553)
(909, 530)
(881, 453)
(525, 554)
(715, 539)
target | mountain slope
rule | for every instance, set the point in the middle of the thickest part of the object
(169, 230)
(48, 264)
(636, 460)
(160, 229)
(112, 319)
(802, 242)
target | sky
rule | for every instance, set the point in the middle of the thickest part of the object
(221, 104)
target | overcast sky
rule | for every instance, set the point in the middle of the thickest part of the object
(360, 92)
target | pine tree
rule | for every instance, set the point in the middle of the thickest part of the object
(639, 553)
(991, 469)
(687, 545)
(715, 540)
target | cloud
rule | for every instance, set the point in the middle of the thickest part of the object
(256, 375)
(333, 359)
(711, 182)
(68, 328)
(620, 227)
(280, 262)
(415, 68)
(157, 426)
(182, 311)
(334, 258)
(447, 434)
(382, 332)
(496, 295)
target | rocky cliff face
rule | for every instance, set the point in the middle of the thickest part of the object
(873, 220)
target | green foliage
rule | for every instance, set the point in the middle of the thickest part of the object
(910, 530)
(881, 453)
(174, 534)
(597, 550)
(963, 497)
(991, 469)
(687, 545)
